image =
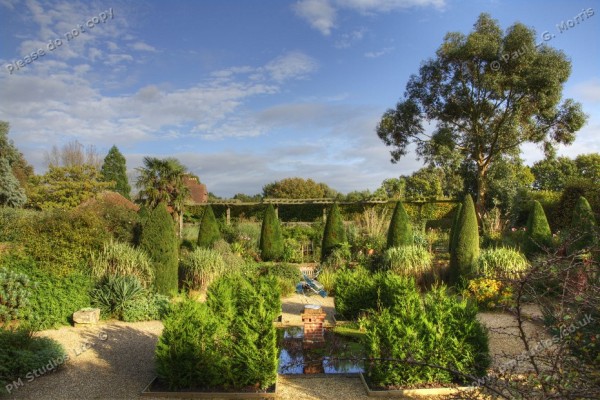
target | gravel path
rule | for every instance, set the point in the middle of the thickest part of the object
(293, 306)
(115, 360)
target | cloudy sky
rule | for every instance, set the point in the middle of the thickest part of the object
(246, 92)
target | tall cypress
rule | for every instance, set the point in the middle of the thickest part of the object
(334, 234)
(454, 228)
(400, 232)
(159, 240)
(583, 226)
(539, 235)
(114, 169)
(209, 232)
(466, 250)
(271, 239)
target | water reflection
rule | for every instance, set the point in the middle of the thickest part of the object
(337, 356)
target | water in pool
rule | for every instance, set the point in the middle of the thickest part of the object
(338, 355)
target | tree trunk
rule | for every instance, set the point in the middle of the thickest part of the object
(481, 190)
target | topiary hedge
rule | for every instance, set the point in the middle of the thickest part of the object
(400, 232)
(466, 243)
(271, 239)
(209, 232)
(334, 234)
(539, 236)
(583, 229)
(159, 241)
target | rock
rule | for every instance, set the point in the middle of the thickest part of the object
(86, 316)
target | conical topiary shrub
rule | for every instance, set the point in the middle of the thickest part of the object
(583, 226)
(159, 240)
(400, 232)
(271, 239)
(209, 229)
(464, 256)
(454, 228)
(539, 235)
(334, 234)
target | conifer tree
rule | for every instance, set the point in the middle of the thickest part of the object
(159, 240)
(400, 232)
(466, 250)
(11, 192)
(209, 229)
(539, 235)
(271, 239)
(583, 226)
(114, 169)
(334, 234)
(454, 228)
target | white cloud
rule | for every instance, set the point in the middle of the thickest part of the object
(320, 14)
(141, 46)
(379, 6)
(292, 65)
(348, 39)
(588, 91)
(376, 54)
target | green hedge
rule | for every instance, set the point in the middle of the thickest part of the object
(438, 330)
(228, 342)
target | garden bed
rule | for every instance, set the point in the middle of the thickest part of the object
(156, 388)
(413, 392)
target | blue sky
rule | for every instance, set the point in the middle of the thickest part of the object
(247, 92)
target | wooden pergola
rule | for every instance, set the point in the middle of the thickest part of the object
(323, 201)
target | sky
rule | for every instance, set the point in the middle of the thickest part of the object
(247, 92)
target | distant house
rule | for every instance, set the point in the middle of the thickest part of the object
(198, 191)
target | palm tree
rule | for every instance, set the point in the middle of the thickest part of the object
(161, 180)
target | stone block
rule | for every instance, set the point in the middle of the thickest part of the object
(86, 316)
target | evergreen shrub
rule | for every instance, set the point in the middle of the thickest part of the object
(438, 329)
(539, 236)
(21, 354)
(583, 228)
(15, 290)
(466, 243)
(271, 239)
(159, 241)
(209, 232)
(400, 232)
(229, 342)
(55, 298)
(334, 234)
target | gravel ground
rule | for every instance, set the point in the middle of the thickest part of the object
(293, 306)
(115, 360)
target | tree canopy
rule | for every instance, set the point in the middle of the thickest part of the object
(114, 169)
(161, 180)
(554, 173)
(487, 93)
(66, 187)
(298, 188)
